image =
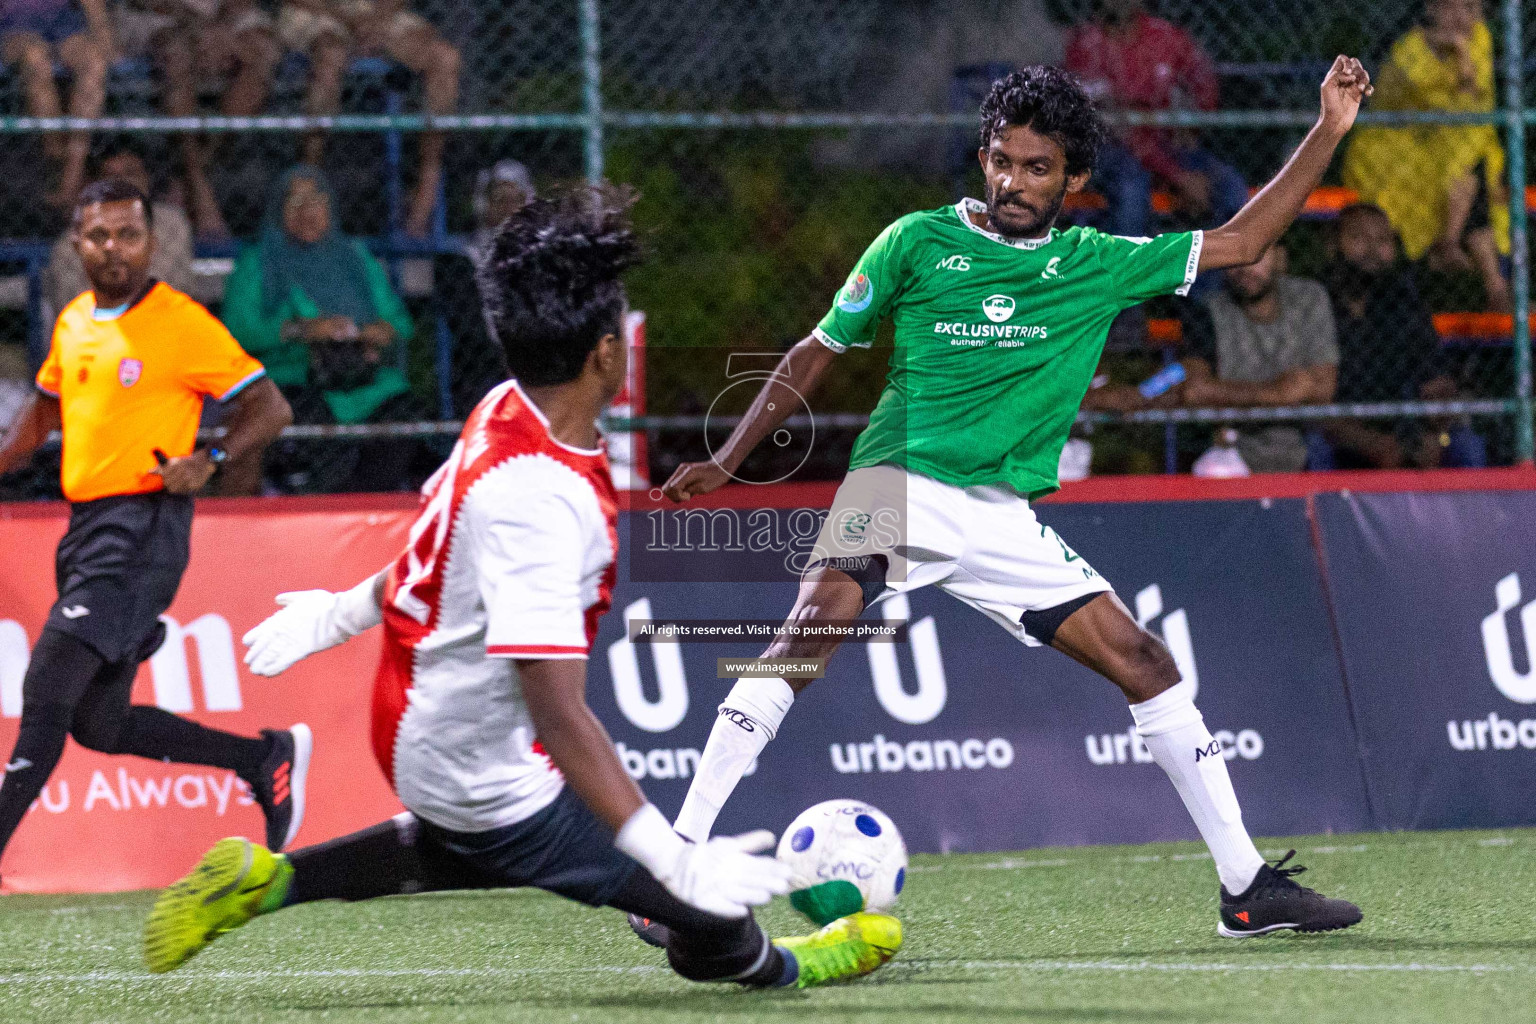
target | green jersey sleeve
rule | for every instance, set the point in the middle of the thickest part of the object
(868, 294)
(1141, 268)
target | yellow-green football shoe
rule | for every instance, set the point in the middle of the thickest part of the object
(234, 882)
(848, 948)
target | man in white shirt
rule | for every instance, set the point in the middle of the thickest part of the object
(480, 719)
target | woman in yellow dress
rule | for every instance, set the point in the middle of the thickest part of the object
(1442, 186)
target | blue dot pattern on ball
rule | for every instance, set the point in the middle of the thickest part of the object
(901, 879)
(866, 824)
(802, 839)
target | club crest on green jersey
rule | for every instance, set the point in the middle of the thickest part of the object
(998, 307)
(857, 295)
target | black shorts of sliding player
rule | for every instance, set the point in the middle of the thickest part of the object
(562, 849)
(565, 849)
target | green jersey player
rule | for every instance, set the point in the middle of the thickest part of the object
(1000, 319)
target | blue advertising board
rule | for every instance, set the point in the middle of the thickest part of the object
(972, 741)
(1435, 599)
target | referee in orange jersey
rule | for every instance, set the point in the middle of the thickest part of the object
(125, 379)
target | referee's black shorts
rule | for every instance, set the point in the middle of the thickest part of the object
(118, 568)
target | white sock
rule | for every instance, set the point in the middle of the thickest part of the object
(1174, 731)
(749, 718)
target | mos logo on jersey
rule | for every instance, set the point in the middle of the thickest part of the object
(857, 295)
(998, 308)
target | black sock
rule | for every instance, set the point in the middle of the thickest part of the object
(778, 970)
(157, 734)
(383, 860)
(701, 946)
(59, 672)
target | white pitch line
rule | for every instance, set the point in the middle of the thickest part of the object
(1009, 864)
(1216, 968)
(1115, 966)
(134, 977)
(999, 865)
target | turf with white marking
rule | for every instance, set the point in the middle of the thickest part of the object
(1062, 935)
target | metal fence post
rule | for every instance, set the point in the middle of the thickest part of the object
(1514, 102)
(592, 88)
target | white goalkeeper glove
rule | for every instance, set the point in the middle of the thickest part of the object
(724, 876)
(310, 621)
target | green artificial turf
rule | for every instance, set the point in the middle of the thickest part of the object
(1059, 935)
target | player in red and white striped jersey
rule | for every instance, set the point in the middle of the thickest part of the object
(511, 561)
(480, 717)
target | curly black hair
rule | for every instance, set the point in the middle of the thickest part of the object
(550, 281)
(1051, 102)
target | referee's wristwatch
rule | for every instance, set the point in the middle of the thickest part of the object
(218, 456)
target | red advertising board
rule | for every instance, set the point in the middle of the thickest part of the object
(109, 823)
(112, 823)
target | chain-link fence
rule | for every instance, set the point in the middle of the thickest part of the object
(770, 141)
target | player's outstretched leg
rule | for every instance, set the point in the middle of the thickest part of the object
(750, 716)
(751, 713)
(1102, 635)
(703, 947)
(275, 765)
(233, 883)
(238, 880)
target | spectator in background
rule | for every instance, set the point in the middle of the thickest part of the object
(190, 41)
(332, 32)
(1442, 186)
(32, 34)
(1388, 352)
(64, 277)
(1265, 339)
(318, 311)
(1129, 60)
(479, 363)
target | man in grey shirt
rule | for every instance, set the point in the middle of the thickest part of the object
(64, 277)
(1270, 338)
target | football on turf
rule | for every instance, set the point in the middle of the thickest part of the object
(846, 856)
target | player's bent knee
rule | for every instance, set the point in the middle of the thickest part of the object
(104, 737)
(1153, 668)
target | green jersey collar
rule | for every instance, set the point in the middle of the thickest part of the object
(965, 207)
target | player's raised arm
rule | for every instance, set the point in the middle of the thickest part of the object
(803, 365)
(311, 621)
(1260, 223)
(865, 298)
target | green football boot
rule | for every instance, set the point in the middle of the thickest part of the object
(234, 882)
(848, 948)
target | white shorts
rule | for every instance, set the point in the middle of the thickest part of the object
(982, 545)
